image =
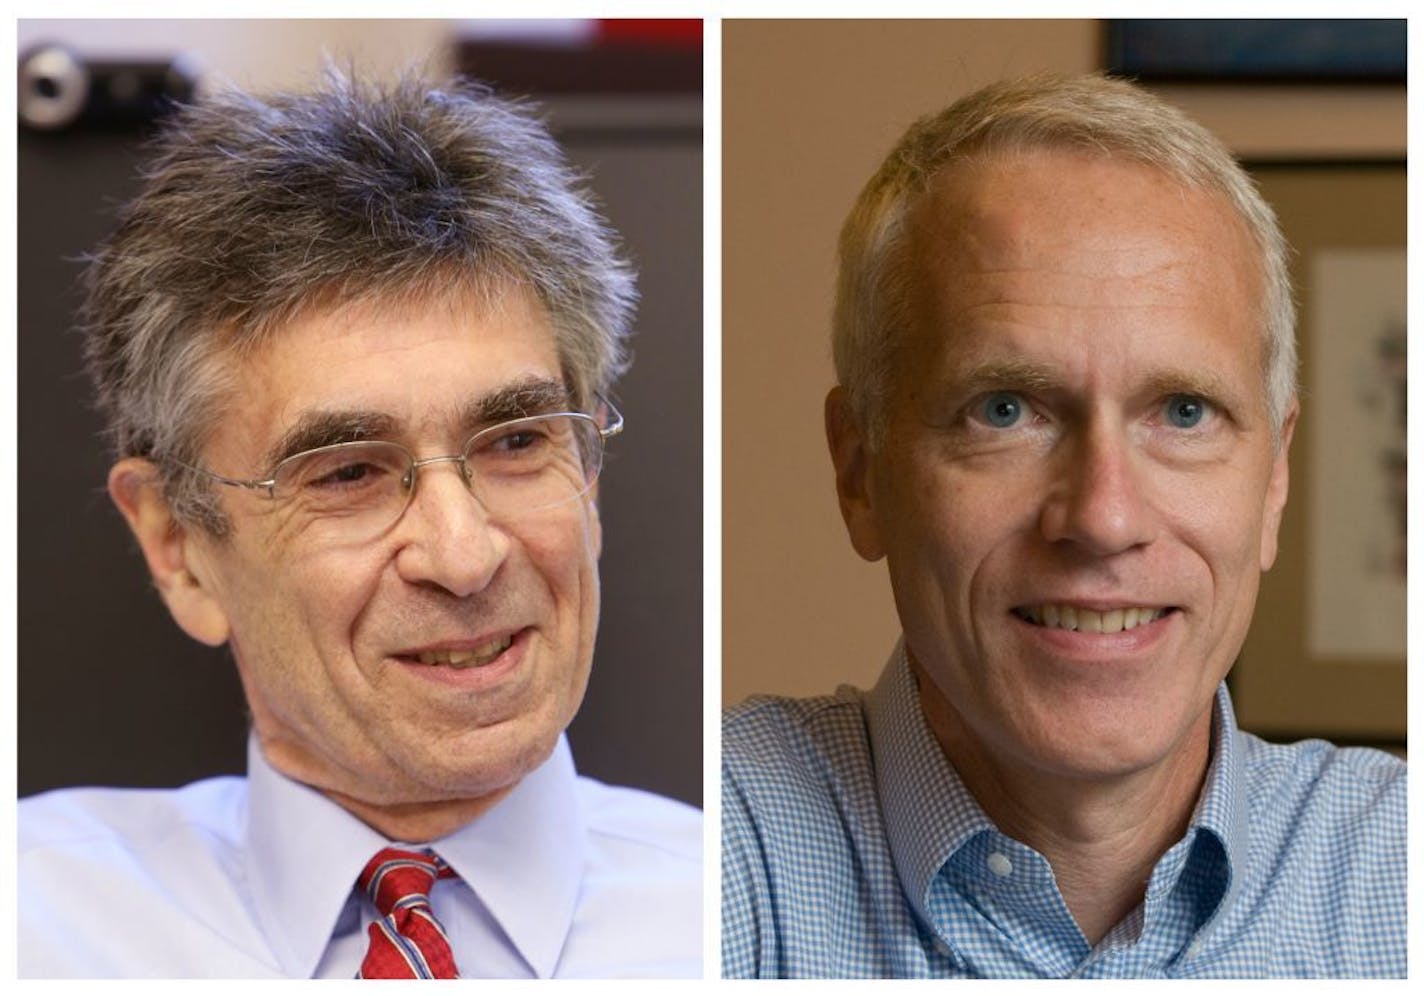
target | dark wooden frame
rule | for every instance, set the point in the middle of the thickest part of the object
(1242, 50)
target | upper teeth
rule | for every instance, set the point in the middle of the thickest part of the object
(482, 654)
(1088, 621)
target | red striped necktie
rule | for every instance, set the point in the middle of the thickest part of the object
(407, 942)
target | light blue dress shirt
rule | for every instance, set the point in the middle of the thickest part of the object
(233, 877)
(850, 848)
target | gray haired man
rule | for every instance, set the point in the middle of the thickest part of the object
(1065, 343)
(354, 347)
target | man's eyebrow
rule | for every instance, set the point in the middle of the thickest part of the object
(1198, 383)
(325, 428)
(1004, 374)
(1013, 374)
(534, 396)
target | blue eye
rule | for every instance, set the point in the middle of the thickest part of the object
(1002, 409)
(1184, 411)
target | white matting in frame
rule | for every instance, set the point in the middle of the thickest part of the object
(1357, 394)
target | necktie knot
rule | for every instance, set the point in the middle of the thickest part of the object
(407, 941)
(396, 877)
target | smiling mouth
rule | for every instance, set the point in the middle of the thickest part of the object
(1081, 620)
(473, 657)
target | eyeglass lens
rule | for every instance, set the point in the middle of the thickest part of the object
(513, 469)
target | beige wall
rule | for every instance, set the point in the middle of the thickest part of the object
(809, 109)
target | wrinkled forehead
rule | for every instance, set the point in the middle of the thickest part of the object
(395, 367)
(456, 293)
(343, 322)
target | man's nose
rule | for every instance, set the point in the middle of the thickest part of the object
(448, 537)
(1098, 496)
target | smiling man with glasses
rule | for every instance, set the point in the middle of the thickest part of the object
(354, 346)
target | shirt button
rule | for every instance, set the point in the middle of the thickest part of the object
(1000, 865)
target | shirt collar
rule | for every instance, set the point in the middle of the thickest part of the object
(929, 814)
(524, 858)
(1222, 808)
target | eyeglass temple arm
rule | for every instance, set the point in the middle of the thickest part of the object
(267, 485)
(614, 419)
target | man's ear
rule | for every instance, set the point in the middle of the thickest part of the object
(170, 550)
(595, 523)
(850, 453)
(1276, 490)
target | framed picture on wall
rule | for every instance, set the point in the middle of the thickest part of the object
(1296, 50)
(1326, 653)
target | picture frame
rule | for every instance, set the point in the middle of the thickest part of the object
(1296, 50)
(1294, 678)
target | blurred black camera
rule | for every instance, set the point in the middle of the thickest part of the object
(59, 89)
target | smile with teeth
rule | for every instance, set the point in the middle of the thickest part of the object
(474, 657)
(1087, 620)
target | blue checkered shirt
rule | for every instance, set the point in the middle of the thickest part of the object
(851, 849)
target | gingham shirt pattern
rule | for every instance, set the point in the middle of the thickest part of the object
(850, 849)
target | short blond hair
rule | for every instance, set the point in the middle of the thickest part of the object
(1096, 113)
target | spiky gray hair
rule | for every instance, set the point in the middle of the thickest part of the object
(254, 209)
